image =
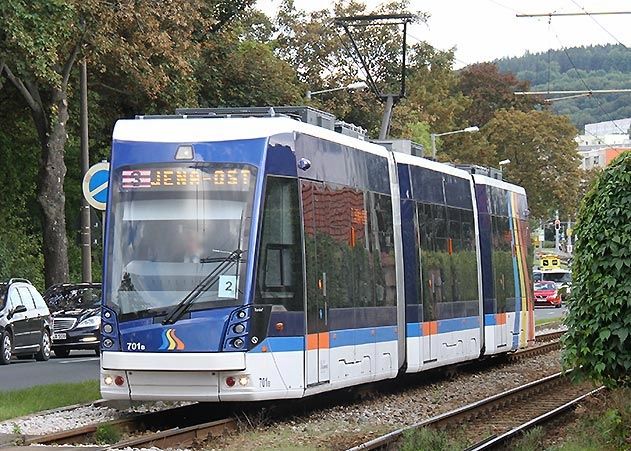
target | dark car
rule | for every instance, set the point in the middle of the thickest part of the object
(76, 310)
(547, 293)
(25, 322)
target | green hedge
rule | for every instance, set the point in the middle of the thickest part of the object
(599, 319)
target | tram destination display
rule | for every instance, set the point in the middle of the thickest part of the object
(149, 179)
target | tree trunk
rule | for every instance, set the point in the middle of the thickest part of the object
(50, 196)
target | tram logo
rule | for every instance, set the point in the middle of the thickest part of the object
(171, 342)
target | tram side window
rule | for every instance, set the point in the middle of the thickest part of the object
(279, 279)
(382, 249)
(503, 264)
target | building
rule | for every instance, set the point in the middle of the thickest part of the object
(602, 142)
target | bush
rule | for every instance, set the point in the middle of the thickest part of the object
(20, 250)
(599, 319)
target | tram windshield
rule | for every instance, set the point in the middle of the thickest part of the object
(169, 228)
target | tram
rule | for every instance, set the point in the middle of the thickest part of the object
(252, 256)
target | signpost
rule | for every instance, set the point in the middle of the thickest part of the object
(95, 185)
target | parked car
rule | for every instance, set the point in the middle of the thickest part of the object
(25, 322)
(547, 293)
(561, 277)
(76, 310)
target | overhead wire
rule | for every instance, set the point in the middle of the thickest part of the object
(598, 23)
(584, 83)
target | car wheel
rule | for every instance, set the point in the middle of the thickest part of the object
(61, 352)
(44, 347)
(6, 348)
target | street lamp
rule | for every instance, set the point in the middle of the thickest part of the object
(502, 164)
(434, 135)
(351, 87)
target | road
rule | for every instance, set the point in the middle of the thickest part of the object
(79, 366)
(549, 312)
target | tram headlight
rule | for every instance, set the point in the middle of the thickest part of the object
(108, 328)
(244, 380)
(108, 380)
(238, 328)
(237, 343)
(241, 314)
(108, 342)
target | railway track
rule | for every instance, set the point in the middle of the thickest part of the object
(191, 424)
(493, 421)
(173, 427)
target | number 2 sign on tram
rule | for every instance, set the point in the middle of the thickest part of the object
(95, 185)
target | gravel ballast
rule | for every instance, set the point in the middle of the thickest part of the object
(344, 426)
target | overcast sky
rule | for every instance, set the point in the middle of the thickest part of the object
(483, 30)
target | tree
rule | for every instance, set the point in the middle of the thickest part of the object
(147, 44)
(323, 57)
(598, 340)
(432, 92)
(489, 91)
(544, 160)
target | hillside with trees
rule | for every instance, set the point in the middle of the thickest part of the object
(579, 68)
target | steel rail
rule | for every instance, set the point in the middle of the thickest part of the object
(495, 441)
(458, 415)
(178, 437)
(135, 422)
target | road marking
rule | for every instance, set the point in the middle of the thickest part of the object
(89, 359)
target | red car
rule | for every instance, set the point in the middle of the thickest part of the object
(546, 293)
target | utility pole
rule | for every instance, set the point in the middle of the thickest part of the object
(86, 238)
(557, 228)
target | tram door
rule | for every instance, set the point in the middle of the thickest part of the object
(314, 204)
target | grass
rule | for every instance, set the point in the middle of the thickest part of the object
(605, 425)
(548, 321)
(107, 434)
(428, 439)
(16, 403)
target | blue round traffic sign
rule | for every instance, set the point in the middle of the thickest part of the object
(95, 185)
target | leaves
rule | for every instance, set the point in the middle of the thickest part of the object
(599, 318)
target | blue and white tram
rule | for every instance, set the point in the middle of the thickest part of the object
(253, 258)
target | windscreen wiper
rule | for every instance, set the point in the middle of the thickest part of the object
(225, 263)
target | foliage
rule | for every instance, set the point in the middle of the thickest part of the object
(107, 434)
(529, 440)
(430, 439)
(490, 90)
(603, 427)
(542, 151)
(598, 67)
(599, 319)
(20, 254)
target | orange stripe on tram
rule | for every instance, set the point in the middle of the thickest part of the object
(430, 328)
(312, 341)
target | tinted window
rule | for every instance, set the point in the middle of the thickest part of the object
(545, 286)
(14, 298)
(73, 297)
(279, 279)
(39, 300)
(27, 298)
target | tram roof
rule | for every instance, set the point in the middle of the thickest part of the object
(192, 130)
(484, 180)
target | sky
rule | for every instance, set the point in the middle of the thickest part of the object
(484, 30)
